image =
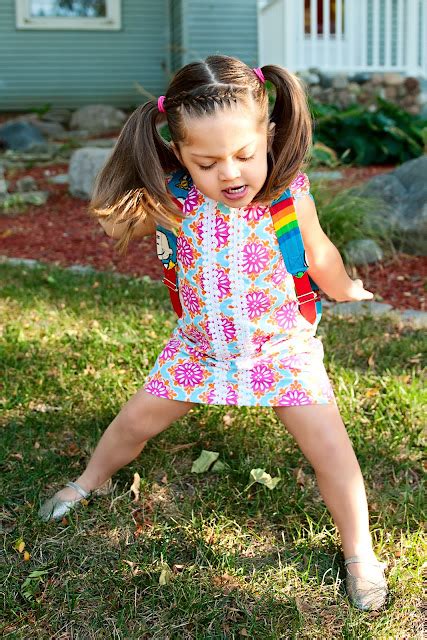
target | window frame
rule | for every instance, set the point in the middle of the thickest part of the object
(112, 21)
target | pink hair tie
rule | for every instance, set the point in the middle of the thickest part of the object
(259, 73)
(160, 104)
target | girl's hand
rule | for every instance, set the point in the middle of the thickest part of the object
(357, 292)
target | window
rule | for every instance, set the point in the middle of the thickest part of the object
(320, 17)
(68, 14)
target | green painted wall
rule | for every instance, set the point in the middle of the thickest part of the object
(219, 26)
(76, 67)
(73, 68)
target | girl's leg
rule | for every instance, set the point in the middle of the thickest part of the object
(322, 437)
(141, 418)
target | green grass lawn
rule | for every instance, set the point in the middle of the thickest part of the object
(198, 556)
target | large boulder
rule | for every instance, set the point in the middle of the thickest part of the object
(85, 164)
(98, 118)
(20, 136)
(402, 204)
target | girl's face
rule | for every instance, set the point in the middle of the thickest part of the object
(226, 155)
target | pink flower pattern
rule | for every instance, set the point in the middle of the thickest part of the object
(254, 213)
(223, 282)
(189, 374)
(286, 315)
(255, 257)
(170, 350)
(157, 388)
(184, 251)
(190, 298)
(191, 200)
(258, 303)
(279, 274)
(262, 378)
(293, 397)
(267, 356)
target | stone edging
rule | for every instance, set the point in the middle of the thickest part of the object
(413, 317)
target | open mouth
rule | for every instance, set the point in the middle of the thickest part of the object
(236, 192)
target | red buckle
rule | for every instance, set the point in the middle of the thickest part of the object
(170, 284)
(314, 296)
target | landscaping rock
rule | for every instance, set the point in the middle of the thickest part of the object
(81, 268)
(98, 118)
(58, 114)
(25, 184)
(402, 204)
(413, 174)
(418, 319)
(61, 178)
(364, 251)
(325, 175)
(3, 182)
(20, 136)
(85, 165)
(340, 81)
(48, 129)
(365, 307)
(386, 187)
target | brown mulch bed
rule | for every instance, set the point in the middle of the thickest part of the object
(61, 232)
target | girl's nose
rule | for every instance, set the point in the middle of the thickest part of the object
(229, 171)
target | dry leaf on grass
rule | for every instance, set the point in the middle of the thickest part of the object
(135, 487)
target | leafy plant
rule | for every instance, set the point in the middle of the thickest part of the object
(41, 111)
(347, 216)
(323, 156)
(363, 137)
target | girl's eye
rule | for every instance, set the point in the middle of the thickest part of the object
(206, 168)
(246, 159)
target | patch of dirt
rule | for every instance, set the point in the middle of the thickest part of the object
(62, 232)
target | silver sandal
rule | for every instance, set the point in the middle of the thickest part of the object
(55, 509)
(367, 595)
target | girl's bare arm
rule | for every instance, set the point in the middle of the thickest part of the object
(323, 258)
(142, 228)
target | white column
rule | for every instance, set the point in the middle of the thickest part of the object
(364, 34)
(400, 33)
(338, 33)
(326, 34)
(388, 33)
(314, 40)
(412, 41)
(375, 33)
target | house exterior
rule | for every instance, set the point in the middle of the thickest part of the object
(96, 51)
(347, 36)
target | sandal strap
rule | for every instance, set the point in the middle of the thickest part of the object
(362, 560)
(79, 489)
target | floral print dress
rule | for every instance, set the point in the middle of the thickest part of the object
(241, 339)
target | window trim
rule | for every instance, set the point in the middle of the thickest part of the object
(112, 21)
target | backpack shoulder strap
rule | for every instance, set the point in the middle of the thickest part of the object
(178, 183)
(292, 246)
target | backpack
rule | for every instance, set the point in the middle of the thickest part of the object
(288, 235)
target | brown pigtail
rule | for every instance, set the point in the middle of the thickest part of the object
(131, 185)
(292, 132)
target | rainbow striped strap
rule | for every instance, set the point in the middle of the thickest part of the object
(291, 245)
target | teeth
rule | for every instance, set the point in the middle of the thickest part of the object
(236, 189)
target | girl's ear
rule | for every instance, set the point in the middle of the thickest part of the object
(270, 135)
(176, 151)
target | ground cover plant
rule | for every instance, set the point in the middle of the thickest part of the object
(363, 136)
(188, 555)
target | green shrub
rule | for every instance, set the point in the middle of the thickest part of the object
(387, 135)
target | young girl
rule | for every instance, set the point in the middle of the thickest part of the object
(246, 331)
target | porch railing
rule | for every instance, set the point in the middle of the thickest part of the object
(345, 35)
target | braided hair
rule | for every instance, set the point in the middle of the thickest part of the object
(131, 186)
